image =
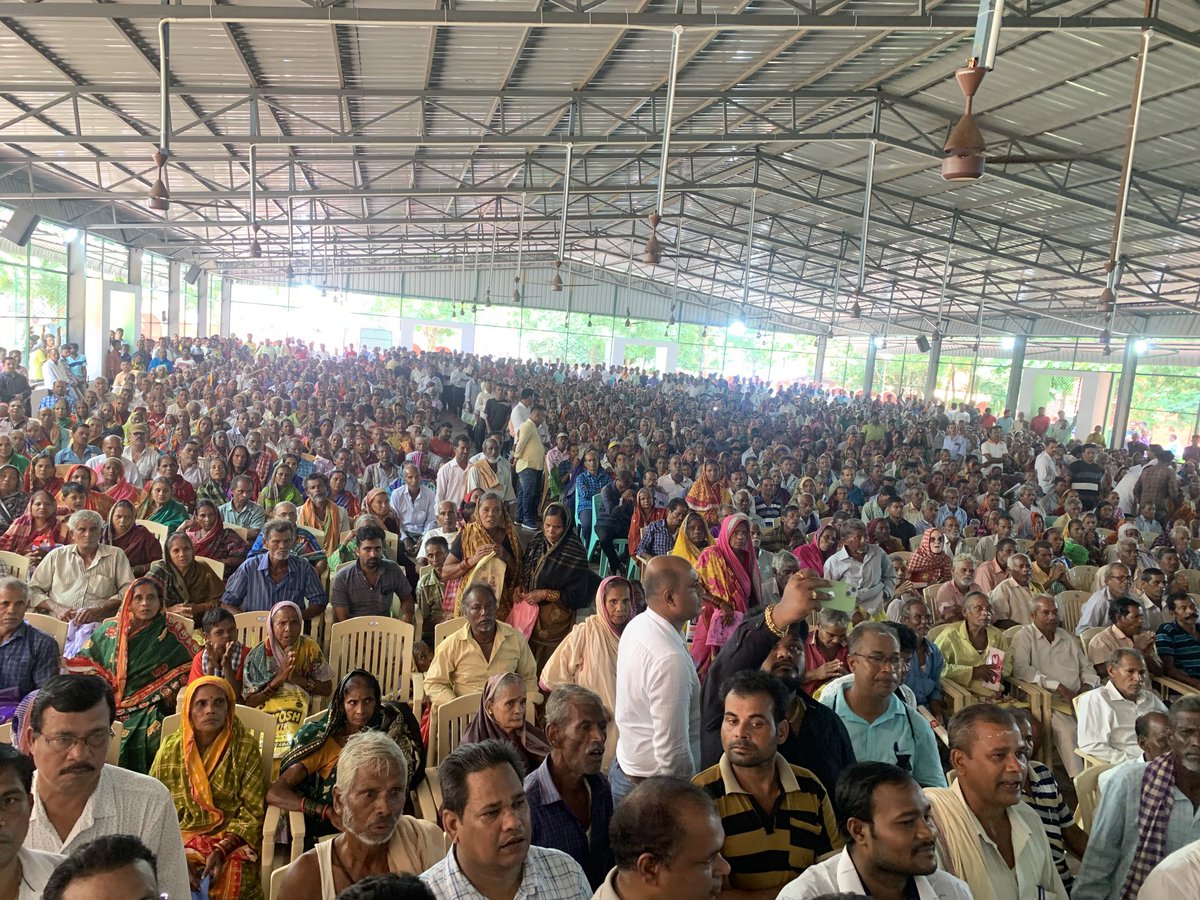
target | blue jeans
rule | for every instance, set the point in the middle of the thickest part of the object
(619, 783)
(529, 497)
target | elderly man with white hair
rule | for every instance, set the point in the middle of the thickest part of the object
(376, 836)
(84, 581)
(1012, 599)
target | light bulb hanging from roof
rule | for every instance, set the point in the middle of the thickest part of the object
(160, 196)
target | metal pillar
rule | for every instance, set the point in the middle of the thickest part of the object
(1116, 437)
(202, 304)
(931, 374)
(1016, 367)
(77, 304)
(226, 305)
(819, 365)
(869, 373)
(174, 299)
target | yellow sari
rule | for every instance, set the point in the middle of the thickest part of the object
(684, 546)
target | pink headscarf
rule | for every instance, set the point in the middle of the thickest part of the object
(742, 564)
(602, 610)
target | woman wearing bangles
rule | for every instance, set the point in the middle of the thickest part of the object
(308, 773)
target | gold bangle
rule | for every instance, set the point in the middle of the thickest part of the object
(769, 618)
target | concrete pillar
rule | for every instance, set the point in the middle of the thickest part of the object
(202, 304)
(77, 329)
(226, 305)
(1116, 437)
(1016, 368)
(931, 373)
(869, 373)
(819, 364)
(174, 300)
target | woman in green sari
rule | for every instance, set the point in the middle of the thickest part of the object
(284, 671)
(280, 489)
(308, 773)
(146, 659)
(161, 506)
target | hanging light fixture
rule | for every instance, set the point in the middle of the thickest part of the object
(628, 318)
(516, 294)
(487, 297)
(256, 249)
(556, 282)
(160, 197)
(589, 321)
(856, 310)
(652, 253)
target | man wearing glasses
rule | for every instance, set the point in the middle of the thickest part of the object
(881, 726)
(77, 798)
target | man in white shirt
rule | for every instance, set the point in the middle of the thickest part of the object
(112, 447)
(675, 482)
(447, 520)
(452, 476)
(1094, 613)
(78, 798)
(890, 849)
(1045, 466)
(139, 458)
(994, 451)
(520, 412)
(1107, 715)
(1044, 654)
(658, 693)
(1176, 876)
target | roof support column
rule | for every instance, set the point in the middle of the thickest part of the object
(1116, 437)
(819, 364)
(226, 305)
(77, 329)
(1016, 367)
(174, 298)
(931, 374)
(869, 372)
(202, 304)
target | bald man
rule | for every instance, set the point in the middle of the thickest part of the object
(658, 693)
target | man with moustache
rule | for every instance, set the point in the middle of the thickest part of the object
(570, 802)
(485, 813)
(890, 849)
(816, 739)
(376, 837)
(1146, 812)
(666, 840)
(777, 817)
(78, 798)
(988, 837)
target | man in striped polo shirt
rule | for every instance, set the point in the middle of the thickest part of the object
(778, 819)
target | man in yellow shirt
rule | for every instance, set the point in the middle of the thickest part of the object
(529, 461)
(483, 647)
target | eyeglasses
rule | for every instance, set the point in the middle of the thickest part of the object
(882, 662)
(63, 743)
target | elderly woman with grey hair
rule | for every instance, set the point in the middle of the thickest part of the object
(84, 581)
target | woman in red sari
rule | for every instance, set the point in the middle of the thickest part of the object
(115, 484)
(929, 563)
(708, 493)
(730, 577)
(240, 464)
(36, 531)
(124, 532)
(644, 512)
(824, 544)
(41, 475)
(210, 538)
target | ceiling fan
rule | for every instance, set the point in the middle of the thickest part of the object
(965, 149)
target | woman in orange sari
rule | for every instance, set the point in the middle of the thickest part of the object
(97, 501)
(730, 577)
(708, 493)
(492, 531)
(213, 768)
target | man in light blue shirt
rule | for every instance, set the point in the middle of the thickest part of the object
(881, 726)
(1128, 807)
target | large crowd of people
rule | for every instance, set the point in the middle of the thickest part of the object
(709, 636)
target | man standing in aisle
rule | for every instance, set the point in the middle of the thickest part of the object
(529, 461)
(658, 693)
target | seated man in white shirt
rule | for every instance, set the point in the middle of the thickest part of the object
(77, 795)
(84, 581)
(1046, 655)
(1107, 715)
(447, 526)
(884, 820)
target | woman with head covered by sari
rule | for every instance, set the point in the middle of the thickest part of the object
(588, 655)
(729, 574)
(284, 672)
(124, 531)
(557, 581)
(502, 717)
(824, 544)
(692, 539)
(212, 766)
